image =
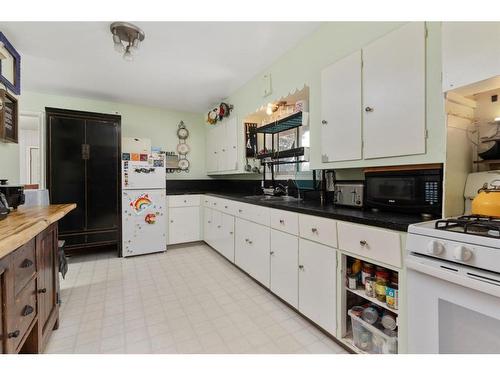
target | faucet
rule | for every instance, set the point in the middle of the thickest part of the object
(281, 188)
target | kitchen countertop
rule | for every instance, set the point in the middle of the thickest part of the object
(382, 219)
(23, 224)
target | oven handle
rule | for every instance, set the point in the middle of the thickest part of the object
(457, 277)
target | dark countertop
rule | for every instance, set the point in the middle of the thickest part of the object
(382, 219)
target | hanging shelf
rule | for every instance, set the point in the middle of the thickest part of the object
(286, 123)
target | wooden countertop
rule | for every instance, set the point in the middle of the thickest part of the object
(22, 225)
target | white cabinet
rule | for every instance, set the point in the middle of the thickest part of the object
(284, 265)
(251, 252)
(471, 52)
(208, 226)
(317, 283)
(184, 224)
(394, 93)
(222, 146)
(225, 235)
(341, 110)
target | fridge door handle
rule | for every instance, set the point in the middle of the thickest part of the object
(85, 151)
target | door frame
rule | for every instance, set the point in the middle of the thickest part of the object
(39, 116)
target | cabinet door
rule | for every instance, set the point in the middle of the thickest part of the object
(48, 280)
(252, 244)
(208, 230)
(217, 232)
(394, 93)
(341, 110)
(66, 173)
(226, 242)
(184, 224)
(212, 148)
(102, 175)
(230, 146)
(3, 311)
(471, 52)
(317, 283)
(284, 266)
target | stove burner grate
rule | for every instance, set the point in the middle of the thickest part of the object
(472, 224)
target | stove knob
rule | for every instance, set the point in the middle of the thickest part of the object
(435, 248)
(462, 254)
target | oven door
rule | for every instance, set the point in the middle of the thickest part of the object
(449, 312)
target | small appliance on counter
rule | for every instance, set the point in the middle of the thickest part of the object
(478, 200)
(410, 189)
(349, 193)
(14, 194)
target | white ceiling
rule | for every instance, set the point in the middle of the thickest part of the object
(186, 66)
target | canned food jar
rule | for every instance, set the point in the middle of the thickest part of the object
(367, 271)
(380, 292)
(352, 281)
(370, 315)
(392, 296)
(370, 287)
(389, 321)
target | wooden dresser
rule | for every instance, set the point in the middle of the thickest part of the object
(29, 278)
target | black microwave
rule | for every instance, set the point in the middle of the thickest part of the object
(412, 191)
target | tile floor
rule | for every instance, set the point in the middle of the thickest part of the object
(187, 300)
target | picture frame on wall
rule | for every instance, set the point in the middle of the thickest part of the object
(9, 115)
(10, 66)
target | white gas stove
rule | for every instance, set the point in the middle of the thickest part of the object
(454, 285)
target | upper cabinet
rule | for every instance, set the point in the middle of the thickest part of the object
(341, 110)
(471, 52)
(394, 93)
(373, 101)
(222, 146)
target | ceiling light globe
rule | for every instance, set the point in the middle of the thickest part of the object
(116, 39)
(127, 56)
(119, 47)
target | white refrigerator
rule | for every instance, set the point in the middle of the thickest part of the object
(143, 204)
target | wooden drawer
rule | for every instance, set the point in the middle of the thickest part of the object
(23, 313)
(184, 200)
(257, 214)
(285, 221)
(318, 229)
(23, 265)
(377, 244)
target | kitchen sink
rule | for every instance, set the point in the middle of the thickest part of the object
(271, 198)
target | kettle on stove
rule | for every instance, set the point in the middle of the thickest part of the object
(487, 201)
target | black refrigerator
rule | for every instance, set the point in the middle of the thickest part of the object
(84, 167)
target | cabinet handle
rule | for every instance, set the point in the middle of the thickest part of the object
(218, 226)
(240, 211)
(250, 242)
(185, 201)
(231, 233)
(171, 221)
(282, 222)
(324, 122)
(272, 253)
(209, 222)
(225, 206)
(28, 310)
(301, 267)
(368, 109)
(363, 243)
(26, 263)
(13, 334)
(42, 291)
(215, 204)
(314, 230)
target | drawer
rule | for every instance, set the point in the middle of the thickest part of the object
(207, 200)
(184, 200)
(251, 212)
(285, 221)
(24, 265)
(377, 244)
(318, 229)
(227, 206)
(24, 311)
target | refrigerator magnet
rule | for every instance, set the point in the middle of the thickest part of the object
(126, 156)
(135, 157)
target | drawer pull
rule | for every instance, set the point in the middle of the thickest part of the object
(363, 243)
(240, 210)
(209, 222)
(28, 310)
(13, 334)
(231, 233)
(42, 291)
(272, 253)
(250, 242)
(282, 222)
(225, 206)
(26, 263)
(301, 267)
(171, 221)
(314, 230)
(215, 204)
(218, 226)
(185, 201)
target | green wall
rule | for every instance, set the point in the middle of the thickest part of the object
(137, 121)
(333, 40)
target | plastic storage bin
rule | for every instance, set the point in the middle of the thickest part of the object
(370, 339)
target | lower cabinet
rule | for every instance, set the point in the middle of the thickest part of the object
(184, 224)
(317, 283)
(3, 312)
(218, 232)
(284, 265)
(251, 252)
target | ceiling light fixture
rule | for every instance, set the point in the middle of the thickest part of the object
(126, 38)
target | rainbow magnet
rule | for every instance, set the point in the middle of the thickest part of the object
(141, 203)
